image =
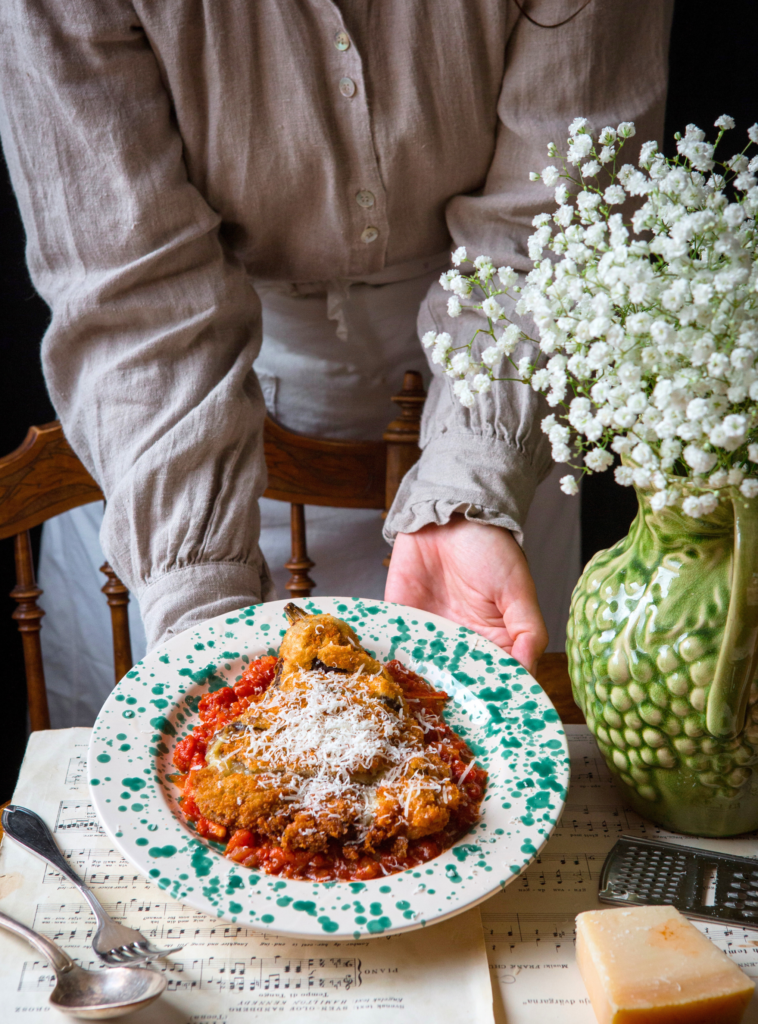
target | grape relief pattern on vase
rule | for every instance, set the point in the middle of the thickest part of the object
(661, 644)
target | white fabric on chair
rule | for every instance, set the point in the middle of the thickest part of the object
(77, 644)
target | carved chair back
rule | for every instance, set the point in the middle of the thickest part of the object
(43, 478)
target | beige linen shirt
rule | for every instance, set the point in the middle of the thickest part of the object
(166, 155)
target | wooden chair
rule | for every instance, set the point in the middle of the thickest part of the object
(43, 478)
(306, 470)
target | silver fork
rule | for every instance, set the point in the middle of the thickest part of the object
(114, 943)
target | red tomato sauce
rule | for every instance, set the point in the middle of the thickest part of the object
(255, 850)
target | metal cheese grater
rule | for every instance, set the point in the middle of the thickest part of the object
(701, 884)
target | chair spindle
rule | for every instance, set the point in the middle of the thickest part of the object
(28, 617)
(402, 437)
(402, 434)
(299, 584)
(118, 602)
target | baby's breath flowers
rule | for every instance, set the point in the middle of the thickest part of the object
(647, 328)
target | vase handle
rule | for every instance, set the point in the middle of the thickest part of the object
(738, 657)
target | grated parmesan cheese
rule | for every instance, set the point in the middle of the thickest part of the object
(321, 734)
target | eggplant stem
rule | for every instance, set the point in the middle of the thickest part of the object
(294, 612)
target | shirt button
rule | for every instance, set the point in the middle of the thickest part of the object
(347, 87)
(364, 198)
(369, 235)
(342, 41)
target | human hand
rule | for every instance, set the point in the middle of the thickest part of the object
(474, 574)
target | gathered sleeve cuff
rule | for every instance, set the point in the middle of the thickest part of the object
(485, 479)
(484, 462)
(185, 597)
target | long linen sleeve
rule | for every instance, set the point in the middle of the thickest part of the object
(609, 64)
(154, 325)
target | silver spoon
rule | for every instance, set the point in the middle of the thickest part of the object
(93, 995)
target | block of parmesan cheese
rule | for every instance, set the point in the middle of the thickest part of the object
(649, 965)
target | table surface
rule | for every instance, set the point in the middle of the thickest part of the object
(552, 675)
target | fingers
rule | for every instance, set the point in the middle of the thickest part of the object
(474, 574)
(521, 613)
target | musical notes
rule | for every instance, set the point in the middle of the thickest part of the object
(226, 974)
(529, 927)
(589, 769)
(167, 924)
(36, 976)
(555, 871)
(76, 773)
(97, 866)
(77, 816)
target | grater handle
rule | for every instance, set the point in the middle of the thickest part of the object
(607, 891)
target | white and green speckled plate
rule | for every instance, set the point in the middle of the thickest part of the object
(495, 705)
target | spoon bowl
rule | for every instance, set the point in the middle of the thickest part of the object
(91, 995)
(98, 995)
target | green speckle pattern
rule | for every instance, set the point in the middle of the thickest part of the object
(503, 715)
(134, 784)
(644, 635)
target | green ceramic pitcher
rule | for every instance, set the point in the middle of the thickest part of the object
(661, 644)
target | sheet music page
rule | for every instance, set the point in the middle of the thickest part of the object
(225, 974)
(529, 928)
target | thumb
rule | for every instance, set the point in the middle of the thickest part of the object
(528, 632)
(527, 649)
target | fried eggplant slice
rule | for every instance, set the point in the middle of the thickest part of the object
(330, 751)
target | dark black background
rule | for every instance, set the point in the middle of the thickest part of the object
(712, 72)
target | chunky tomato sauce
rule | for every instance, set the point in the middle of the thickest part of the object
(259, 851)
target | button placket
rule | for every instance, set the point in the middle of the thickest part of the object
(371, 236)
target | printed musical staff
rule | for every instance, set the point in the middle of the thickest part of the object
(77, 816)
(228, 974)
(227, 971)
(587, 769)
(98, 867)
(36, 976)
(76, 773)
(529, 927)
(224, 971)
(558, 870)
(170, 923)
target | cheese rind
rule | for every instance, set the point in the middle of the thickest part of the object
(649, 965)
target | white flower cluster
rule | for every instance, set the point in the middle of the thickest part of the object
(647, 326)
